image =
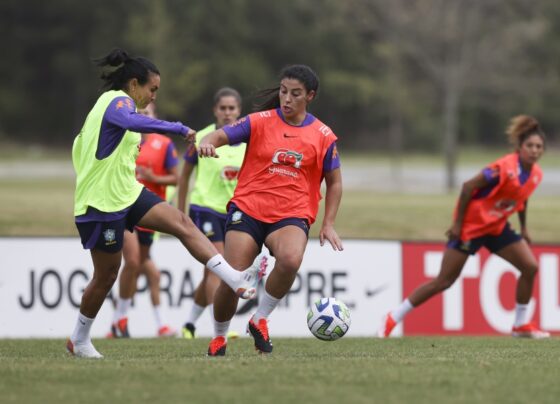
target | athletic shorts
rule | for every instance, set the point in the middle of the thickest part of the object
(240, 221)
(108, 236)
(212, 225)
(492, 243)
(145, 237)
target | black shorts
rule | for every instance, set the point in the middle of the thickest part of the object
(492, 243)
(240, 221)
(145, 237)
(212, 225)
(108, 236)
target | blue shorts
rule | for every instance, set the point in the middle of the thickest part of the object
(108, 235)
(240, 221)
(492, 243)
(212, 225)
(145, 237)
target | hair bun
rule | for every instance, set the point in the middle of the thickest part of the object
(117, 57)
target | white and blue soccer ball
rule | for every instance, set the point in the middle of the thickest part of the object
(328, 319)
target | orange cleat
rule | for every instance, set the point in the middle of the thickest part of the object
(217, 346)
(259, 332)
(387, 326)
(529, 330)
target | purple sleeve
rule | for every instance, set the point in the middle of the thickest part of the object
(171, 159)
(332, 159)
(492, 175)
(239, 131)
(191, 155)
(121, 112)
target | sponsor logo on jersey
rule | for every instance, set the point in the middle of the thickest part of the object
(287, 158)
(229, 173)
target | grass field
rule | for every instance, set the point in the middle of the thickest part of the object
(43, 207)
(405, 370)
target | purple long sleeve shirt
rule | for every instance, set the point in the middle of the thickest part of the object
(121, 116)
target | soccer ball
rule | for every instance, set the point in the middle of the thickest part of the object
(328, 319)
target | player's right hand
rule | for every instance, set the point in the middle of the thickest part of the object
(190, 137)
(206, 150)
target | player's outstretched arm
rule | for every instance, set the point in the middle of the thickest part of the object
(209, 143)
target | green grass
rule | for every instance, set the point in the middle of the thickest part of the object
(352, 370)
(44, 208)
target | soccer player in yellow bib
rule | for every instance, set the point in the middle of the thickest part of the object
(109, 200)
(215, 181)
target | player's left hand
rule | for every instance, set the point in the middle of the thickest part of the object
(329, 233)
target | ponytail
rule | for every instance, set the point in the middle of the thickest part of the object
(127, 68)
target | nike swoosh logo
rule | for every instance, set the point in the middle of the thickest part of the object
(217, 264)
(376, 291)
(288, 135)
(83, 322)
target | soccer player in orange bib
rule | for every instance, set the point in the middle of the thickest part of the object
(289, 153)
(156, 168)
(481, 219)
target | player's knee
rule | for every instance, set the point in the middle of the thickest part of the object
(531, 269)
(289, 263)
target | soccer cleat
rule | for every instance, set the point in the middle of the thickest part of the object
(217, 346)
(82, 350)
(259, 332)
(247, 288)
(166, 331)
(529, 330)
(387, 326)
(188, 331)
(119, 329)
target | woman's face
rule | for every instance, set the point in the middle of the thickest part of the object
(143, 94)
(227, 110)
(531, 149)
(294, 97)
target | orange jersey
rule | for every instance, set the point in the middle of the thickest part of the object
(488, 215)
(152, 155)
(283, 168)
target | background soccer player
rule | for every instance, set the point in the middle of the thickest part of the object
(481, 220)
(156, 168)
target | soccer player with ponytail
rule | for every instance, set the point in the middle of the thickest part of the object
(109, 200)
(289, 153)
(481, 220)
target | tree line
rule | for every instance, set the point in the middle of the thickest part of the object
(395, 75)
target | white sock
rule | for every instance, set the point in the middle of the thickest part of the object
(196, 311)
(81, 331)
(267, 303)
(401, 311)
(521, 314)
(157, 316)
(221, 329)
(218, 265)
(122, 308)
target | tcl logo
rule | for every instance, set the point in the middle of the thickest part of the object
(288, 158)
(482, 299)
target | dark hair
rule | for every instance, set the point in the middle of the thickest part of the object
(522, 127)
(128, 68)
(227, 92)
(303, 73)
